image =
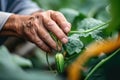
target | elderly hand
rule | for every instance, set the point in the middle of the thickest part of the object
(36, 28)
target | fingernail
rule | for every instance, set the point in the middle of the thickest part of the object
(67, 29)
(64, 40)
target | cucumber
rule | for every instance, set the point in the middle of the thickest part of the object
(59, 59)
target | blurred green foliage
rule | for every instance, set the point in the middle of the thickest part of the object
(115, 13)
(86, 16)
(10, 68)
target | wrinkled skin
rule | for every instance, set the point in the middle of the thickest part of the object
(36, 28)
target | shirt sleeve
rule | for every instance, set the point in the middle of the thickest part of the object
(3, 18)
(25, 7)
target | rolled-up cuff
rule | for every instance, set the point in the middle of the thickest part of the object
(3, 18)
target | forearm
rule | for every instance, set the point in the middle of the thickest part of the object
(11, 26)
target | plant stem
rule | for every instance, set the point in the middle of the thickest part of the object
(101, 63)
(89, 30)
(48, 62)
(57, 47)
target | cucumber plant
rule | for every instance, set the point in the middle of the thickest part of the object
(85, 30)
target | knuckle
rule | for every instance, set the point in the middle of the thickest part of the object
(37, 15)
(57, 13)
(31, 23)
(41, 15)
(46, 36)
(50, 11)
(61, 35)
(39, 43)
(32, 18)
(50, 23)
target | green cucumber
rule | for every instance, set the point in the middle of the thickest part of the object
(59, 59)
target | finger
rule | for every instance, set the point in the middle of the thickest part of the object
(61, 21)
(53, 27)
(41, 45)
(32, 36)
(45, 36)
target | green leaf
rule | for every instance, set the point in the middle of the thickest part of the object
(104, 14)
(23, 62)
(9, 70)
(86, 39)
(114, 26)
(77, 19)
(74, 45)
(88, 23)
(91, 7)
(70, 14)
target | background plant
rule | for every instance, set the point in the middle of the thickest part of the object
(91, 20)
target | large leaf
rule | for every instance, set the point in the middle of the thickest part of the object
(89, 23)
(9, 70)
(23, 62)
(115, 12)
(73, 16)
(70, 14)
(91, 7)
(103, 14)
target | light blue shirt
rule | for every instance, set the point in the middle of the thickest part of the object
(7, 7)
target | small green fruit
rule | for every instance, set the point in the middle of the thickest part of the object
(59, 58)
